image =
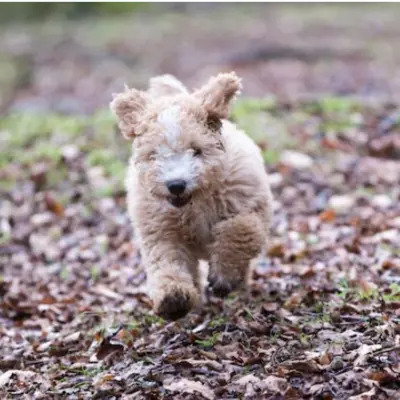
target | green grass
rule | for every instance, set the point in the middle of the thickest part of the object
(343, 288)
(347, 292)
(367, 295)
(94, 272)
(208, 342)
(30, 138)
(394, 294)
(275, 128)
(64, 273)
(329, 105)
(22, 129)
(149, 320)
(44, 134)
(259, 119)
(89, 372)
(5, 238)
(318, 307)
(218, 321)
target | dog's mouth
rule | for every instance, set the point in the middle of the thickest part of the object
(179, 201)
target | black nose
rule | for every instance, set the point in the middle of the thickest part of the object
(176, 187)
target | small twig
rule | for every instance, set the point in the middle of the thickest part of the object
(33, 362)
(355, 318)
(388, 349)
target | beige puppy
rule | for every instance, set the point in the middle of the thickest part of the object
(197, 189)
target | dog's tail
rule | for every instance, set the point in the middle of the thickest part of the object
(165, 85)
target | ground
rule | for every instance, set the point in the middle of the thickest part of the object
(321, 319)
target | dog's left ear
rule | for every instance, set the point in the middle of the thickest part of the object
(216, 95)
(128, 107)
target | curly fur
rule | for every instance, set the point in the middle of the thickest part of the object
(224, 214)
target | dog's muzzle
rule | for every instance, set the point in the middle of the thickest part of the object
(179, 201)
(177, 189)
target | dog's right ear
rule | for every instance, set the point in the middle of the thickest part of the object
(128, 107)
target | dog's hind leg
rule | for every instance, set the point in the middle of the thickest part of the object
(172, 279)
(236, 242)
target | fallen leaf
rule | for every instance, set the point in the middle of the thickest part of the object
(325, 358)
(341, 203)
(276, 250)
(189, 386)
(275, 384)
(53, 205)
(327, 215)
(20, 375)
(308, 366)
(110, 345)
(247, 379)
(363, 352)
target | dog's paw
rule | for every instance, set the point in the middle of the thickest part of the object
(221, 286)
(174, 305)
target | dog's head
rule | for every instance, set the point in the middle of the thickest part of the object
(179, 148)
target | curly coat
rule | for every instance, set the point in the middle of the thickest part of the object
(223, 209)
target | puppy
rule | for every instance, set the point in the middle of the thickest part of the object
(197, 189)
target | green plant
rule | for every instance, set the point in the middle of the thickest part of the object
(218, 321)
(367, 294)
(343, 288)
(394, 294)
(208, 342)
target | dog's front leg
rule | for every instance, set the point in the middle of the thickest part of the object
(236, 242)
(172, 279)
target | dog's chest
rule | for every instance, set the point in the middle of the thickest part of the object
(197, 224)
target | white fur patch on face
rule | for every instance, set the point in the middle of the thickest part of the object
(169, 118)
(180, 166)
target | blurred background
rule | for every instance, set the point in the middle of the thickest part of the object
(69, 57)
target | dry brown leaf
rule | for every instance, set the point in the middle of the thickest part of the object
(110, 345)
(309, 366)
(370, 395)
(53, 205)
(327, 215)
(325, 358)
(73, 337)
(275, 384)
(190, 386)
(294, 300)
(363, 352)
(22, 376)
(277, 250)
(104, 379)
(247, 379)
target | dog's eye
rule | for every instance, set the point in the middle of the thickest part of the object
(196, 152)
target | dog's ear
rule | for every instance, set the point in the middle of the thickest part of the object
(217, 94)
(128, 107)
(166, 85)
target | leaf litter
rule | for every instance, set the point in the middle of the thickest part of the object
(321, 318)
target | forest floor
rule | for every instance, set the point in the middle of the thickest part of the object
(321, 319)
